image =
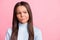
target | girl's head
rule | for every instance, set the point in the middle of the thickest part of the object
(22, 13)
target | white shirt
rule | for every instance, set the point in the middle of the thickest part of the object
(23, 33)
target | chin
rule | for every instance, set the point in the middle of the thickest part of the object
(23, 22)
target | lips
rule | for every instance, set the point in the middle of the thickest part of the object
(22, 19)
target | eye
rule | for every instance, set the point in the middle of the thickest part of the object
(19, 13)
(25, 12)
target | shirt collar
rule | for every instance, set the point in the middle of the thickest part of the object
(24, 25)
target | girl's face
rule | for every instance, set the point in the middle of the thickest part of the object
(22, 14)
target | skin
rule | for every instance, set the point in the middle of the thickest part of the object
(22, 14)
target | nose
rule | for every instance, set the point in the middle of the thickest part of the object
(22, 14)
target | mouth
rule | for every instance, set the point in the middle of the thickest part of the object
(22, 19)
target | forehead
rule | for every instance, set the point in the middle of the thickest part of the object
(21, 8)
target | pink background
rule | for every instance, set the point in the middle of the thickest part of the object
(46, 16)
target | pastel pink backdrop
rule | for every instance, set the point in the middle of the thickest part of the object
(46, 16)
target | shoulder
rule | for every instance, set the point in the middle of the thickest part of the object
(8, 34)
(37, 31)
(9, 31)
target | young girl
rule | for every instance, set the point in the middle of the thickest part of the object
(22, 24)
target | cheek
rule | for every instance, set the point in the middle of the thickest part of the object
(18, 17)
(27, 17)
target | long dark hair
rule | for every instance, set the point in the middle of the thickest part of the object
(15, 22)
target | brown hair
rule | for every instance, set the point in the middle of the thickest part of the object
(15, 22)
